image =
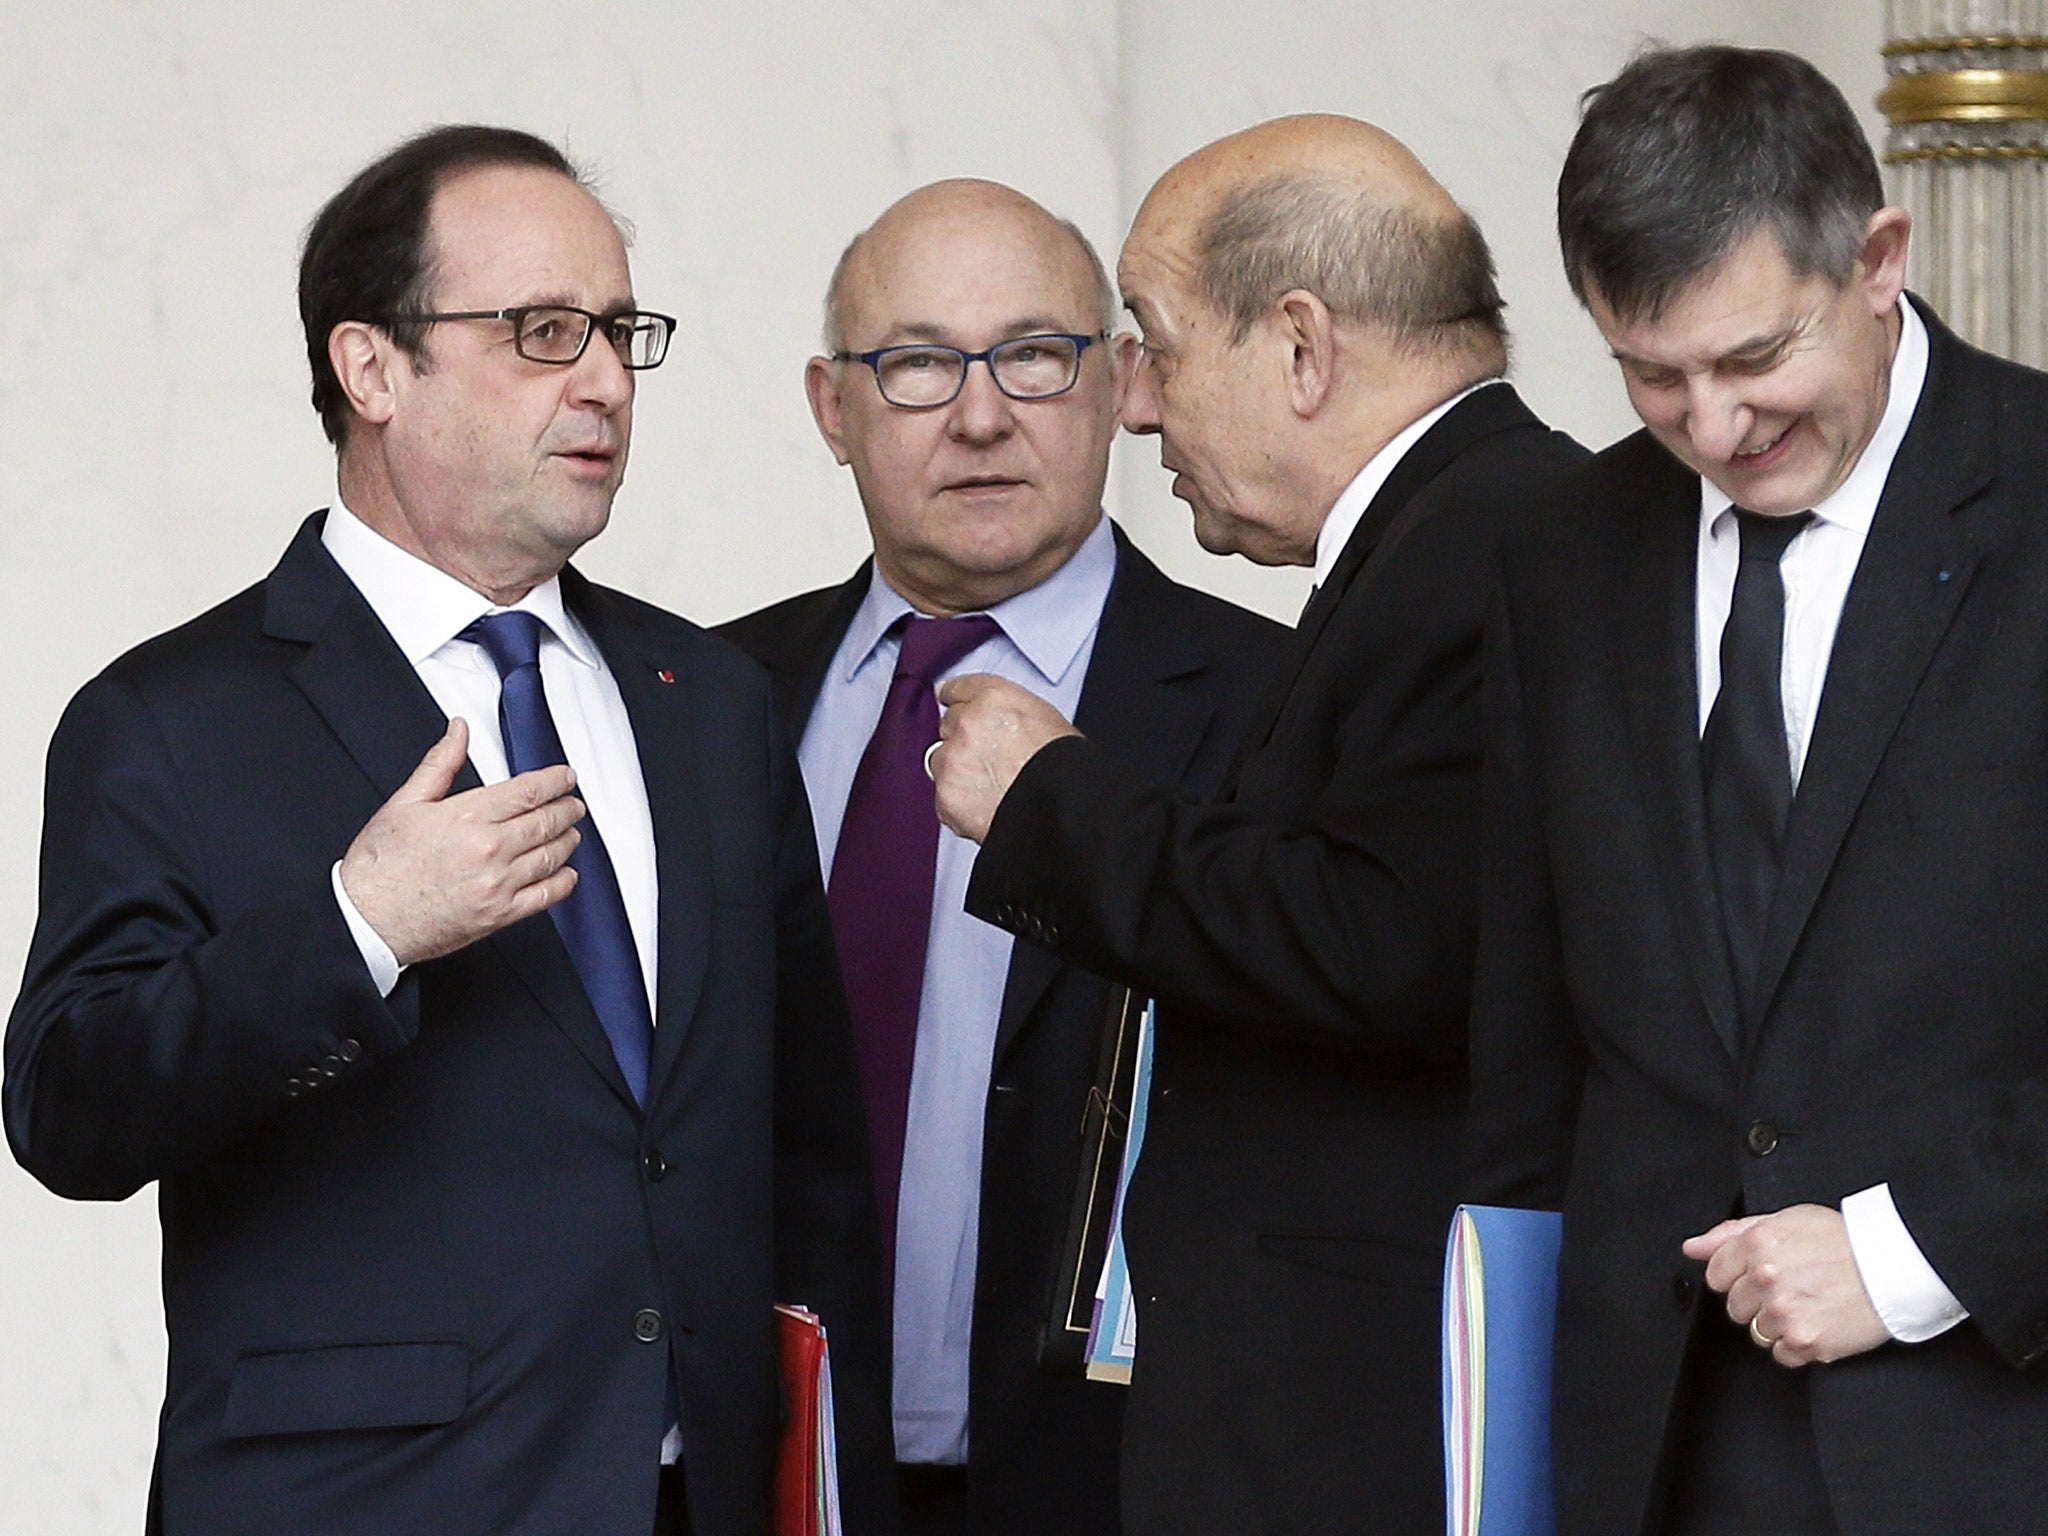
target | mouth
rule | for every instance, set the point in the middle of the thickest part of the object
(1765, 454)
(596, 459)
(983, 485)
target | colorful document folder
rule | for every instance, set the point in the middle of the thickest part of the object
(807, 1462)
(1113, 1338)
(1500, 1306)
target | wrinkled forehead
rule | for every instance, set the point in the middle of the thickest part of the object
(502, 235)
(965, 275)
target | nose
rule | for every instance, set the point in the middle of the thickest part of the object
(599, 379)
(981, 413)
(1141, 400)
(1718, 419)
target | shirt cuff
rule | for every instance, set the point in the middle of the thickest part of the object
(1909, 1296)
(384, 967)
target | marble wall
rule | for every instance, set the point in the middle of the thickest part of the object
(161, 161)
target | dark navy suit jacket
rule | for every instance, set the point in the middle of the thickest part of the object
(425, 1262)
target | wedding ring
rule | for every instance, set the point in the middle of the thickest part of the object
(928, 751)
(1758, 1337)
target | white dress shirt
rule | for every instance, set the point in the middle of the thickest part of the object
(1818, 566)
(1047, 640)
(1343, 518)
(425, 610)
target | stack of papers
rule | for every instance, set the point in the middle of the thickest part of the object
(1113, 1337)
(807, 1463)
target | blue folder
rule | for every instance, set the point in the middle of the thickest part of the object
(1500, 1307)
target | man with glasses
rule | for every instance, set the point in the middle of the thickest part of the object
(443, 933)
(972, 384)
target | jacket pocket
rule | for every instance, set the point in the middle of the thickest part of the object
(347, 1386)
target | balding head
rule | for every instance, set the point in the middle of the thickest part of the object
(1307, 290)
(975, 497)
(1340, 209)
(909, 225)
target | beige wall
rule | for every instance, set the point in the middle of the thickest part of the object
(156, 448)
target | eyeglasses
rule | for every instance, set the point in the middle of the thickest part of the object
(922, 376)
(558, 333)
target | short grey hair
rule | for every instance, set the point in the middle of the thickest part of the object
(835, 290)
(1428, 280)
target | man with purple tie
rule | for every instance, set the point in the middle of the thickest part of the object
(442, 932)
(971, 381)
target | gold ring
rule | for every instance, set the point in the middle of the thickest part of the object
(928, 751)
(1757, 1335)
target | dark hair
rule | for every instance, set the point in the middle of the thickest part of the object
(1428, 280)
(366, 255)
(1688, 152)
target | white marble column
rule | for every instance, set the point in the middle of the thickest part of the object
(1967, 154)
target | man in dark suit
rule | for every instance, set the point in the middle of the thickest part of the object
(1760, 996)
(983, 495)
(485, 1142)
(1323, 358)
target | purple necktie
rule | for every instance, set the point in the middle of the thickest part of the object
(881, 891)
(591, 918)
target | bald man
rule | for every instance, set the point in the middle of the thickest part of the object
(972, 382)
(1322, 365)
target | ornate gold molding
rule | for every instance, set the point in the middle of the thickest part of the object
(1997, 41)
(1968, 152)
(1966, 96)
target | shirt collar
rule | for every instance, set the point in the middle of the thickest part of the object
(1853, 504)
(1048, 623)
(1351, 504)
(423, 606)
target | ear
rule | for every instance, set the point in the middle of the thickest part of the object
(1881, 267)
(368, 364)
(821, 384)
(1307, 332)
(1124, 352)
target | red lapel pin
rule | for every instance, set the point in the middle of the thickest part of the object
(665, 675)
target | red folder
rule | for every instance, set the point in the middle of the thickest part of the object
(807, 1462)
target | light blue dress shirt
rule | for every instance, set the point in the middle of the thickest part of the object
(1047, 639)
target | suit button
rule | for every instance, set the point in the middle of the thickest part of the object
(1683, 1289)
(1761, 1139)
(1052, 933)
(647, 1325)
(350, 1050)
(331, 1066)
(656, 1166)
(293, 1088)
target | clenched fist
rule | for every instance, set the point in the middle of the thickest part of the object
(991, 729)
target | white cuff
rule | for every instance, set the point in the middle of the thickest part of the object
(384, 967)
(1909, 1296)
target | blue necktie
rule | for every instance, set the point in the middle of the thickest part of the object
(592, 918)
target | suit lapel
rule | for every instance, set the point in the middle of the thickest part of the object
(355, 676)
(798, 655)
(1493, 409)
(1916, 567)
(1132, 704)
(1659, 661)
(656, 687)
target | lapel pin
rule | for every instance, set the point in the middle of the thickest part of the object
(665, 675)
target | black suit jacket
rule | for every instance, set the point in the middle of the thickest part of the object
(1309, 941)
(1902, 1032)
(1169, 689)
(425, 1262)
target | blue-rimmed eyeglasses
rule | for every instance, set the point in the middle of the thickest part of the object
(923, 375)
(558, 333)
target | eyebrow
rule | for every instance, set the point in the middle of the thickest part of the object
(1765, 342)
(924, 330)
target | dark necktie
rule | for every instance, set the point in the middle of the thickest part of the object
(1743, 758)
(881, 891)
(592, 918)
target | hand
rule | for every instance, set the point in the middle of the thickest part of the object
(1791, 1278)
(991, 729)
(431, 873)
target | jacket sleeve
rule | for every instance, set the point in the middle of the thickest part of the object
(1347, 924)
(150, 1028)
(1528, 1062)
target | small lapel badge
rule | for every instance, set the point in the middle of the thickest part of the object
(665, 675)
